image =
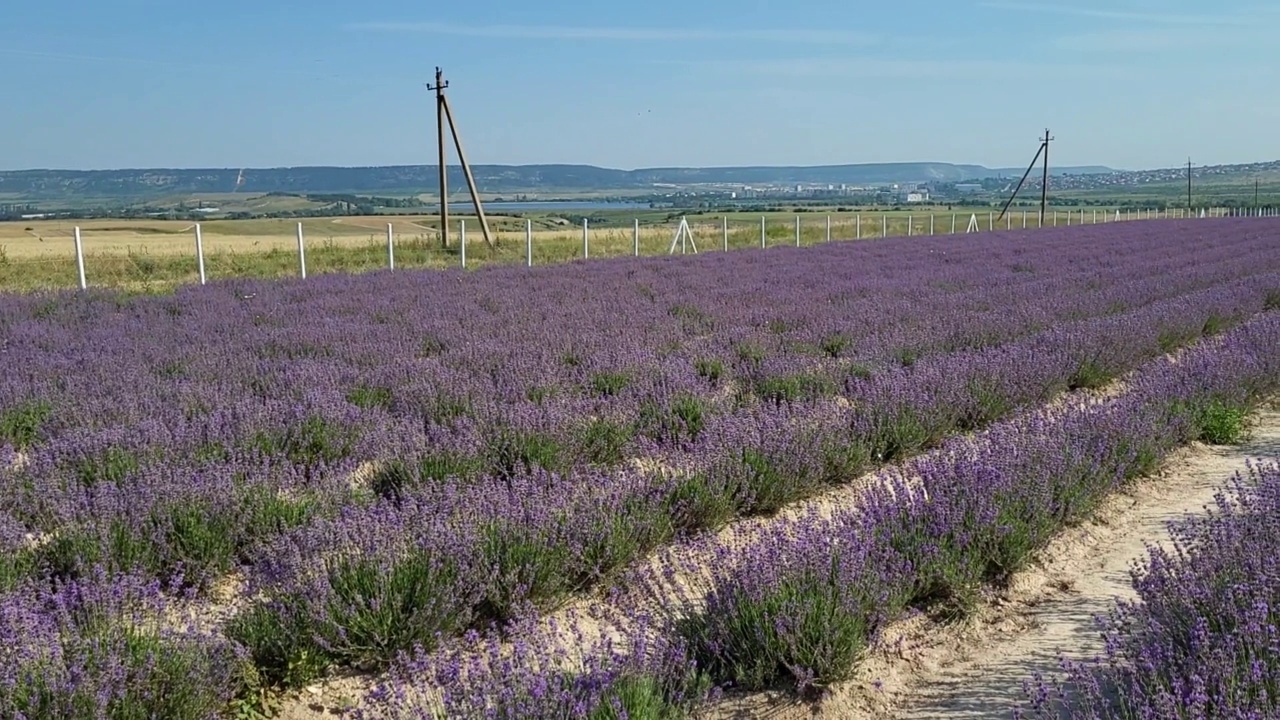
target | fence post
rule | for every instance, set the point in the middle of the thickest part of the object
(80, 258)
(586, 245)
(884, 226)
(302, 253)
(1024, 219)
(391, 248)
(991, 220)
(857, 233)
(909, 225)
(828, 228)
(1008, 222)
(200, 253)
(931, 223)
(762, 231)
(528, 243)
(724, 230)
(953, 223)
(462, 241)
(1055, 218)
(635, 236)
(797, 231)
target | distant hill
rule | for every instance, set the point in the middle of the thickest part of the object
(142, 184)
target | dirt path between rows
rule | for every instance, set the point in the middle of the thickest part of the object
(923, 670)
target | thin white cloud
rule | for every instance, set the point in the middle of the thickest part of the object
(634, 34)
(1159, 39)
(863, 68)
(1235, 20)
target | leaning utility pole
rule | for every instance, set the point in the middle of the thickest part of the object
(445, 114)
(1044, 149)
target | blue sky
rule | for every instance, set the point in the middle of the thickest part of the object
(160, 83)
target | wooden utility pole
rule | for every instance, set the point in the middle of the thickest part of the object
(445, 115)
(1044, 187)
(1188, 187)
(442, 158)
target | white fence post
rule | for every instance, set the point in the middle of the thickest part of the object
(797, 231)
(80, 258)
(724, 230)
(762, 231)
(931, 223)
(586, 243)
(200, 253)
(857, 232)
(302, 253)
(828, 228)
(1024, 219)
(528, 243)
(462, 241)
(884, 226)
(991, 220)
(1008, 221)
(909, 225)
(635, 236)
(953, 223)
(391, 248)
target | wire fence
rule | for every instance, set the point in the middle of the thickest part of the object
(421, 247)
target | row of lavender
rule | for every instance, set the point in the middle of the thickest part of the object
(803, 602)
(1202, 639)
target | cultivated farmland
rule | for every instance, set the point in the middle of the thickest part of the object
(422, 478)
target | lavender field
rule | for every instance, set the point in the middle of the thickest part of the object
(251, 486)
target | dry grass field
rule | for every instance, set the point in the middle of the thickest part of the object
(156, 255)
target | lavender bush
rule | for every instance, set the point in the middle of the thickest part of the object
(547, 674)
(98, 649)
(1201, 639)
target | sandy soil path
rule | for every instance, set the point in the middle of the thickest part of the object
(977, 671)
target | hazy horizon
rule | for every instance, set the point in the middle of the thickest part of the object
(1131, 84)
(454, 164)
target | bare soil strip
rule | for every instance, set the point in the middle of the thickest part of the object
(923, 669)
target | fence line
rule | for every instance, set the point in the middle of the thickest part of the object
(973, 226)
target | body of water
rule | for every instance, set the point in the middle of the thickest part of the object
(575, 206)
